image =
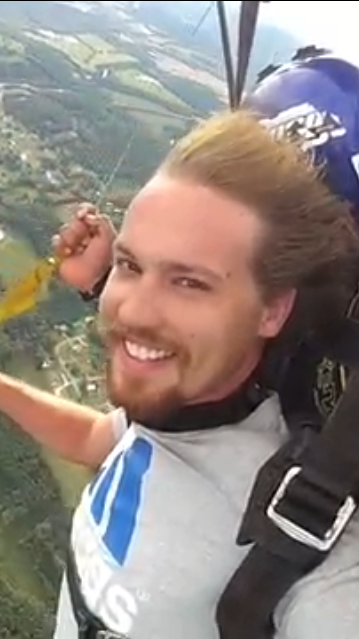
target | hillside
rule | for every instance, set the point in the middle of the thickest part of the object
(88, 91)
(191, 24)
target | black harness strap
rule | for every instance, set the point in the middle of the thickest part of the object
(246, 32)
(95, 293)
(236, 76)
(89, 626)
(301, 503)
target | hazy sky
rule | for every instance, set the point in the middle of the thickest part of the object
(334, 24)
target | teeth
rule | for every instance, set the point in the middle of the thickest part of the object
(145, 354)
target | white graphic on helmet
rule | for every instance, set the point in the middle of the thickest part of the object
(305, 124)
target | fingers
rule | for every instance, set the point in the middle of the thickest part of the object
(98, 225)
(72, 238)
(87, 213)
(75, 236)
(63, 249)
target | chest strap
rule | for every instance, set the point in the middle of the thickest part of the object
(302, 501)
(89, 626)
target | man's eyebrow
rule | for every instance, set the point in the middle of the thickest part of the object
(173, 266)
(121, 248)
(191, 269)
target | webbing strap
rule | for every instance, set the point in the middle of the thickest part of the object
(302, 501)
(246, 32)
(89, 626)
(248, 17)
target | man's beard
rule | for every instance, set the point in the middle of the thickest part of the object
(144, 400)
(139, 397)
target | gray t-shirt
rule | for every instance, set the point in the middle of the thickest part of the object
(154, 537)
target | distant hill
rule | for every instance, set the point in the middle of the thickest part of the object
(182, 22)
(180, 19)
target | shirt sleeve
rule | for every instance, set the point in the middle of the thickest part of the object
(119, 423)
(325, 604)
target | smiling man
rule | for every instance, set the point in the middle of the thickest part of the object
(175, 295)
(232, 237)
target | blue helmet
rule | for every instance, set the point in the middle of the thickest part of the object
(316, 100)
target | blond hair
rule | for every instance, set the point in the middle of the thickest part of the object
(310, 243)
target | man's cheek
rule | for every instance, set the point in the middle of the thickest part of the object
(108, 304)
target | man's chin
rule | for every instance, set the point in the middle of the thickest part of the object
(144, 405)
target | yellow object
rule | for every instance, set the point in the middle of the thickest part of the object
(22, 297)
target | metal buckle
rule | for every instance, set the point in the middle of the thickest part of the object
(298, 533)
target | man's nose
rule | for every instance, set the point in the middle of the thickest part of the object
(142, 305)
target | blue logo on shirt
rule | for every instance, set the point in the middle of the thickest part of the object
(116, 494)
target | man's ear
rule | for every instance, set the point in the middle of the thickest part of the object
(276, 314)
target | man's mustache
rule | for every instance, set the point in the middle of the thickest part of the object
(113, 334)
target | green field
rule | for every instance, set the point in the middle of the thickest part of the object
(92, 52)
(88, 50)
(133, 78)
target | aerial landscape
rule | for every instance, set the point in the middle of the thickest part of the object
(92, 96)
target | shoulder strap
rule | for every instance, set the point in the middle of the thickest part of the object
(301, 503)
(88, 625)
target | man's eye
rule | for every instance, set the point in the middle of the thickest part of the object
(192, 283)
(126, 265)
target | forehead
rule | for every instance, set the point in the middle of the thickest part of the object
(174, 219)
